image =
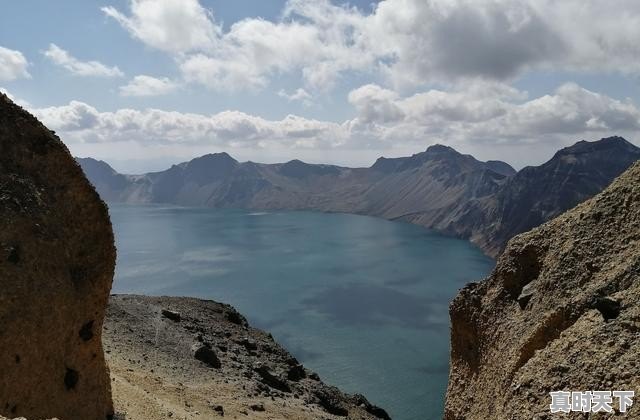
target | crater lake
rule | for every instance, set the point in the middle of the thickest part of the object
(361, 301)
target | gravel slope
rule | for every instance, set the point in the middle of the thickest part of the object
(200, 360)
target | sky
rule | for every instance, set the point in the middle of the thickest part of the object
(144, 84)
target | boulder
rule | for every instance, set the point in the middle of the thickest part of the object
(204, 353)
(57, 259)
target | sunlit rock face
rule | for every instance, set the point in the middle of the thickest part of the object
(559, 313)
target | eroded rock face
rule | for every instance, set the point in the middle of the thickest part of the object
(56, 267)
(561, 312)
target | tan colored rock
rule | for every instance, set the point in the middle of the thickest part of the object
(547, 318)
(56, 267)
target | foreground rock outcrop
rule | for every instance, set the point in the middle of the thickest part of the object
(195, 359)
(561, 312)
(56, 267)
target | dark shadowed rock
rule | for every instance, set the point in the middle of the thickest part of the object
(329, 399)
(273, 380)
(361, 401)
(56, 267)
(172, 315)
(204, 353)
(609, 308)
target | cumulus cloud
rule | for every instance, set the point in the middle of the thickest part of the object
(77, 67)
(444, 40)
(375, 104)
(80, 122)
(490, 114)
(175, 26)
(13, 65)
(411, 42)
(143, 85)
(478, 115)
(312, 38)
(299, 95)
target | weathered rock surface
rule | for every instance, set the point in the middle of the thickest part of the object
(486, 202)
(209, 364)
(56, 267)
(579, 326)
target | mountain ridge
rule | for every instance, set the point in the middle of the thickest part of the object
(440, 188)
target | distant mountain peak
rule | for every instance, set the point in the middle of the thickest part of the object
(96, 165)
(298, 169)
(441, 148)
(436, 152)
(222, 156)
(607, 143)
(213, 166)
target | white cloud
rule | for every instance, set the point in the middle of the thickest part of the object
(80, 122)
(470, 119)
(299, 95)
(311, 39)
(411, 42)
(143, 85)
(175, 26)
(489, 113)
(374, 103)
(13, 65)
(65, 60)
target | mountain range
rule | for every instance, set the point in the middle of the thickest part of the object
(440, 188)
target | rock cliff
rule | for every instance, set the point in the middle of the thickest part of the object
(560, 312)
(56, 267)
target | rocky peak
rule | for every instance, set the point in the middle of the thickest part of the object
(209, 167)
(612, 144)
(441, 149)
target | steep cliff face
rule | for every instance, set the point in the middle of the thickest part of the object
(539, 193)
(56, 267)
(560, 312)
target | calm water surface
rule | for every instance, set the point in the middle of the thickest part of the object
(360, 300)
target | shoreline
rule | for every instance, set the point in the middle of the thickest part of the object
(174, 357)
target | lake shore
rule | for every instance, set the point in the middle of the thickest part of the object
(196, 359)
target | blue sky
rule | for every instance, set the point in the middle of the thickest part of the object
(145, 83)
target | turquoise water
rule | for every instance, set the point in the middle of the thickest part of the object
(360, 300)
